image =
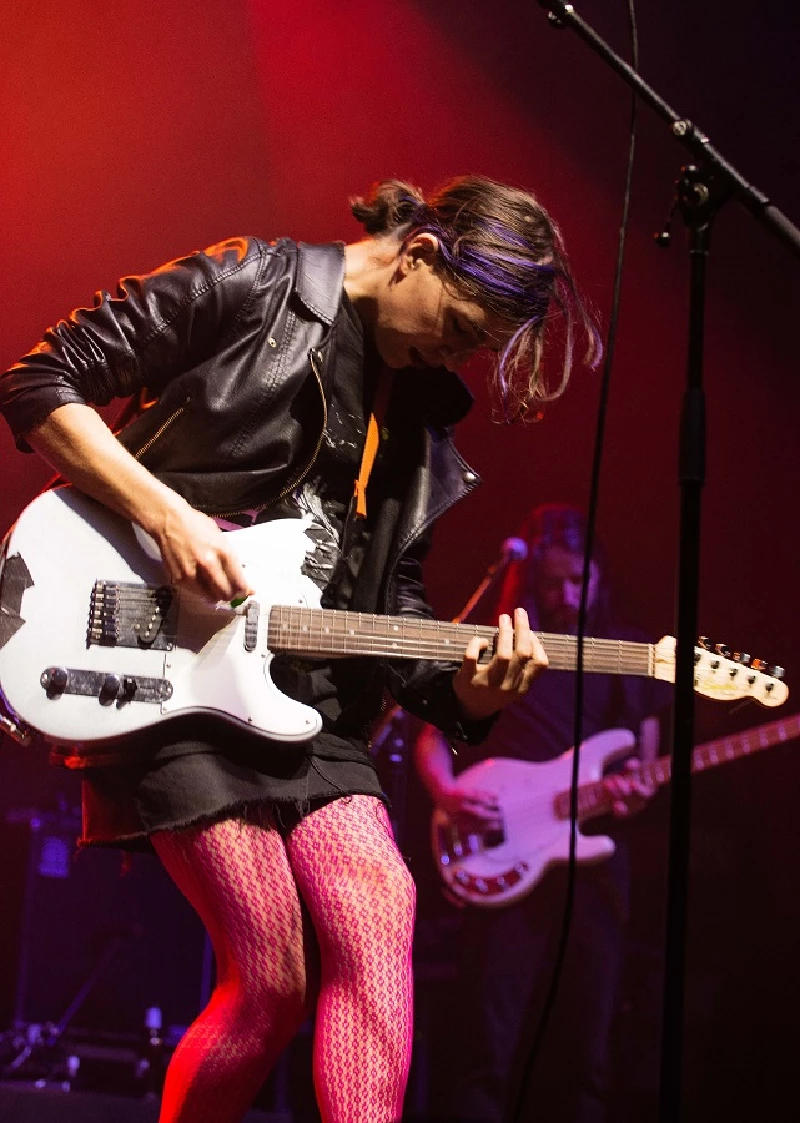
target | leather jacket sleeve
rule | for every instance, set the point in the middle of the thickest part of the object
(155, 327)
(425, 687)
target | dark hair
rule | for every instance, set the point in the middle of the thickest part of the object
(499, 247)
(555, 525)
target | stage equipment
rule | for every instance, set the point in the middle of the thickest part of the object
(91, 941)
(703, 189)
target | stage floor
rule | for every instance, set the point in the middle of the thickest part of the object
(23, 1103)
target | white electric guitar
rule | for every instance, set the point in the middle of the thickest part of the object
(494, 867)
(94, 644)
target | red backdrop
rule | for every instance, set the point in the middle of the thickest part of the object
(133, 134)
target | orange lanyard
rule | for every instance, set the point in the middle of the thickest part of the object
(372, 442)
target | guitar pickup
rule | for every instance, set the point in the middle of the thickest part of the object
(124, 614)
(251, 615)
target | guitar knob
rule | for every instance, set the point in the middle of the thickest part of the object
(55, 681)
(128, 691)
(109, 689)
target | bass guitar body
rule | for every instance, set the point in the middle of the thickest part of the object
(493, 868)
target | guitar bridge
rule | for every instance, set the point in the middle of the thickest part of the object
(128, 615)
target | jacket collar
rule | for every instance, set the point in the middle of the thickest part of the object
(320, 278)
(319, 284)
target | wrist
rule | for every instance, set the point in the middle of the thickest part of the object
(158, 509)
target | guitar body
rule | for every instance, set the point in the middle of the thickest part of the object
(67, 542)
(494, 869)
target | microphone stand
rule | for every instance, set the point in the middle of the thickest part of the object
(704, 187)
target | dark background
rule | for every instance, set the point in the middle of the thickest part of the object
(132, 135)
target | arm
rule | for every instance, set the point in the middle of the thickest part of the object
(469, 806)
(156, 327)
(75, 441)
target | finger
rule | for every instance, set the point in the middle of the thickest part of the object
(539, 653)
(523, 636)
(478, 796)
(469, 664)
(236, 575)
(529, 673)
(220, 573)
(482, 806)
(643, 789)
(212, 578)
(505, 639)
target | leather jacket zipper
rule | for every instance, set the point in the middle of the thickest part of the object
(161, 429)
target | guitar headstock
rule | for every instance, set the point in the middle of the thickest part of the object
(723, 675)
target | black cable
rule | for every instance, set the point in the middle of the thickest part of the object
(591, 519)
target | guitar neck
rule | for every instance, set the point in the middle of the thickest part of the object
(593, 799)
(319, 632)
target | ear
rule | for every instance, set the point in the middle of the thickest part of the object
(422, 249)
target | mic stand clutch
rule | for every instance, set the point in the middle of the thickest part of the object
(702, 191)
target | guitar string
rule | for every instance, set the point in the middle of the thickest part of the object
(305, 624)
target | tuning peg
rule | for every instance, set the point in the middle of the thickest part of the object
(741, 657)
(722, 650)
(704, 642)
(778, 672)
(760, 665)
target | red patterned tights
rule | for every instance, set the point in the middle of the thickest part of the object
(322, 916)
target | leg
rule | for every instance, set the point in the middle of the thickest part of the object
(501, 957)
(237, 877)
(361, 899)
(569, 1081)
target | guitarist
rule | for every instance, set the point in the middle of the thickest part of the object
(507, 953)
(288, 378)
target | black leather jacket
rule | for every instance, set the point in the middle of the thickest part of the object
(227, 350)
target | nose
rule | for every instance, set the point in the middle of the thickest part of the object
(455, 360)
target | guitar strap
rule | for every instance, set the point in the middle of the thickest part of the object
(373, 440)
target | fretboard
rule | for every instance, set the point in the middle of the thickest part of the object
(593, 799)
(320, 631)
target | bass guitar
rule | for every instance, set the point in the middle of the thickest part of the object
(96, 644)
(492, 868)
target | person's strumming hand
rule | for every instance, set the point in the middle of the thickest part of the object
(196, 554)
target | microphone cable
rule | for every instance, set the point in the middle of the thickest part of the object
(594, 489)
